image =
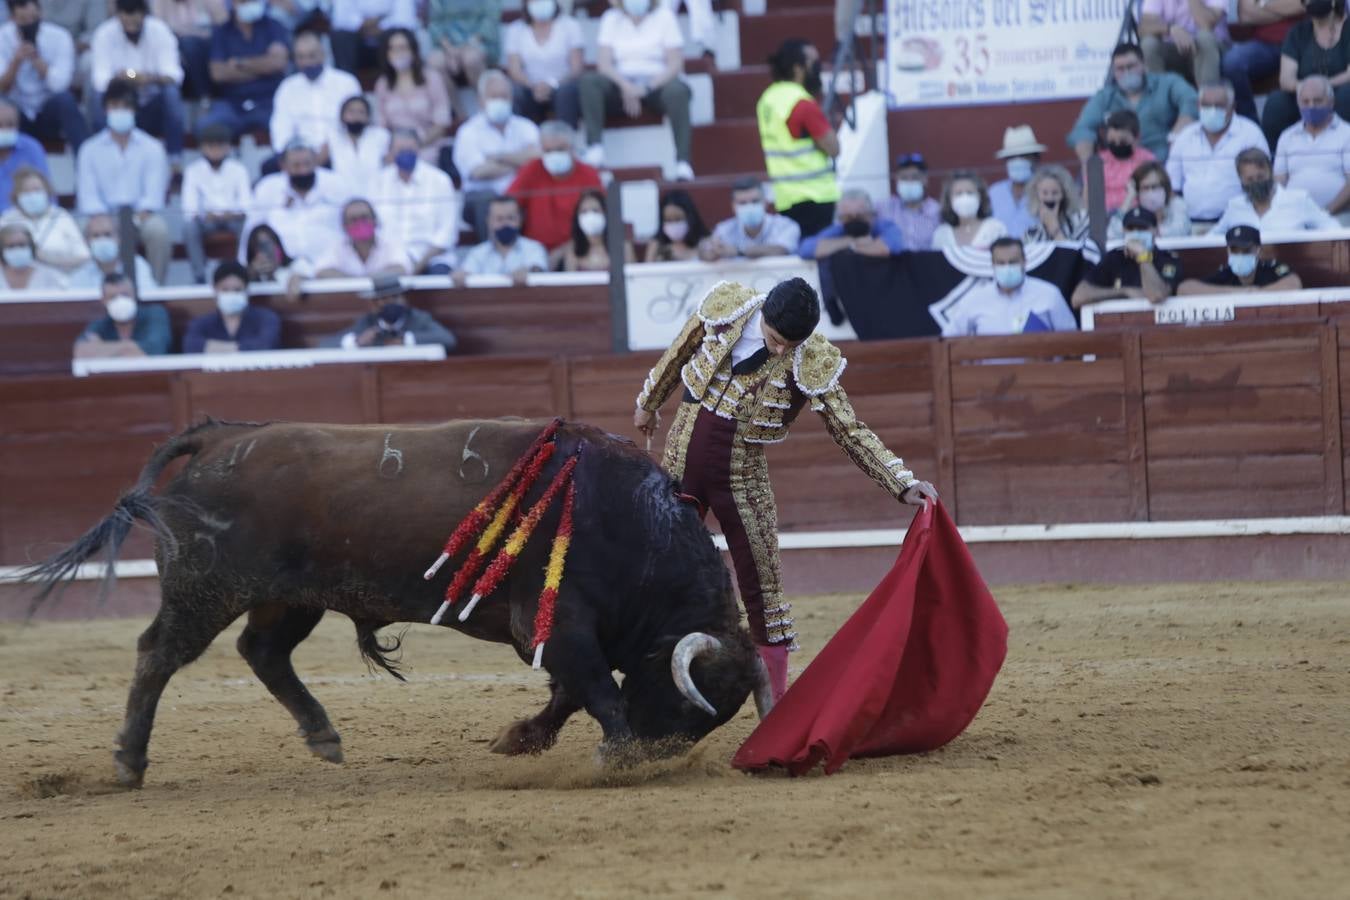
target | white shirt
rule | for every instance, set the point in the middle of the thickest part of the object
(484, 259)
(307, 109)
(774, 231)
(208, 190)
(1205, 175)
(986, 309)
(308, 226)
(56, 47)
(348, 15)
(990, 230)
(640, 50)
(1290, 210)
(477, 139)
(1317, 163)
(546, 62)
(751, 340)
(357, 163)
(156, 53)
(419, 213)
(60, 243)
(385, 254)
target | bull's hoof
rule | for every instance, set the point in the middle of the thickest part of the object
(522, 738)
(621, 754)
(129, 773)
(327, 745)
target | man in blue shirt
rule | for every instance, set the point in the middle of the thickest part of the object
(236, 324)
(16, 150)
(857, 229)
(1164, 103)
(249, 57)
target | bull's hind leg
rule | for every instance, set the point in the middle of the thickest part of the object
(541, 732)
(272, 632)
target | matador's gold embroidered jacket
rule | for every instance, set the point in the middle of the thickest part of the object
(766, 401)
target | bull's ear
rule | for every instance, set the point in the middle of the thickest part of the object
(662, 648)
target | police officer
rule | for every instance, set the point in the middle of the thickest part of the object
(1245, 269)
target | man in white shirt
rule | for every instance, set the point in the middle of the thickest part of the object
(1267, 206)
(753, 232)
(105, 257)
(308, 103)
(1314, 154)
(1201, 162)
(490, 147)
(1012, 303)
(365, 251)
(301, 203)
(416, 202)
(508, 252)
(142, 49)
(216, 195)
(37, 62)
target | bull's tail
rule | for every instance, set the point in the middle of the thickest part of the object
(376, 653)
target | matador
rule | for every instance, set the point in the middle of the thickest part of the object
(748, 363)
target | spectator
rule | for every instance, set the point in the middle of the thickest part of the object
(465, 39)
(491, 147)
(127, 328)
(639, 61)
(19, 268)
(1121, 156)
(236, 325)
(508, 252)
(391, 322)
(1184, 36)
(357, 25)
(1055, 208)
(1009, 199)
(799, 143)
(408, 94)
(308, 103)
(1258, 57)
(1314, 155)
(17, 151)
(549, 187)
(1245, 270)
(123, 166)
(753, 231)
(215, 196)
(300, 15)
(1013, 303)
(1151, 189)
(37, 63)
(357, 149)
(917, 214)
(1268, 206)
(250, 53)
(1318, 45)
(56, 237)
(1164, 104)
(79, 18)
(191, 22)
(269, 264)
(301, 203)
(543, 58)
(1201, 163)
(417, 204)
(137, 47)
(364, 252)
(859, 229)
(681, 230)
(105, 252)
(967, 220)
(1137, 269)
(587, 251)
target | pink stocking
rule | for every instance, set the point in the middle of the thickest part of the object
(775, 658)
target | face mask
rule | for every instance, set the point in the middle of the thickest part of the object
(558, 162)
(121, 120)
(18, 257)
(591, 222)
(1142, 238)
(103, 249)
(391, 316)
(29, 32)
(1131, 82)
(497, 110)
(542, 10)
(1121, 150)
(361, 230)
(231, 303)
(406, 160)
(856, 228)
(303, 183)
(506, 235)
(1319, 9)
(122, 309)
(675, 231)
(250, 11)
(355, 128)
(1241, 264)
(400, 62)
(34, 203)
(1315, 116)
(812, 85)
(312, 72)
(1051, 205)
(1009, 277)
(637, 8)
(1259, 191)
(214, 163)
(750, 215)
(909, 191)
(133, 37)
(966, 205)
(1019, 170)
(1213, 118)
(1153, 199)
(9, 137)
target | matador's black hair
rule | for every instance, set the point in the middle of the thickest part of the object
(793, 309)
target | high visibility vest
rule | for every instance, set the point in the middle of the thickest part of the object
(800, 171)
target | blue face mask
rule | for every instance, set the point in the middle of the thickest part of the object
(750, 215)
(406, 160)
(1130, 82)
(1143, 238)
(312, 72)
(1213, 118)
(506, 235)
(1242, 264)
(1019, 170)
(1009, 277)
(1315, 116)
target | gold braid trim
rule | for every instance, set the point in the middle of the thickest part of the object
(726, 302)
(861, 443)
(665, 375)
(817, 365)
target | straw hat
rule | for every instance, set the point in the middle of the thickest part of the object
(1019, 140)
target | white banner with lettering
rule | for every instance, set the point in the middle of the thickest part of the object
(662, 296)
(996, 51)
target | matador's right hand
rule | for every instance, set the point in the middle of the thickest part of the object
(646, 421)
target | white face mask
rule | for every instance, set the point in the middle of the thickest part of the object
(542, 10)
(250, 11)
(121, 120)
(122, 308)
(231, 303)
(558, 162)
(9, 137)
(18, 257)
(591, 222)
(966, 205)
(34, 203)
(676, 231)
(637, 8)
(1153, 199)
(497, 110)
(103, 249)
(909, 191)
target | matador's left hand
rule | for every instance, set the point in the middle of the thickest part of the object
(919, 493)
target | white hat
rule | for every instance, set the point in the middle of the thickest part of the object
(1019, 140)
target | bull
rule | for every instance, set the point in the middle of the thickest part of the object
(283, 522)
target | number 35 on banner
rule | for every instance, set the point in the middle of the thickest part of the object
(972, 56)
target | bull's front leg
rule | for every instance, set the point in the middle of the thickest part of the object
(537, 734)
(576, 661)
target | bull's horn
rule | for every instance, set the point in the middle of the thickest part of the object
(690, 646)
(763, 688)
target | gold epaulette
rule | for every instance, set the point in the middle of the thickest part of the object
(727, 302)
(817, 365)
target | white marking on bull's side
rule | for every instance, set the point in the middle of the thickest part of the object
(249, 449)
(390, 453)
(469, 454)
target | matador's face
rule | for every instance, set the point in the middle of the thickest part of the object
(775, 342)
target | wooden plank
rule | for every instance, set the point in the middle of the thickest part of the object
(1226, 338)
(944, 437)
(1048, 345)
(1236, 438)
(1040, 410)
(1248, 475)
(975, 380)
(321, 394)
(1254, 404)
(1136, 442)
(1016, 448)
(1332, 445)
(1226, 504)
(1002, 494)
(467, 388)
(1226, 371)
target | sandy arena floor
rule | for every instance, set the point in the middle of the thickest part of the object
(1185, 741)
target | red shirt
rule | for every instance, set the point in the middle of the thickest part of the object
(549, 202)
(807, 119)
